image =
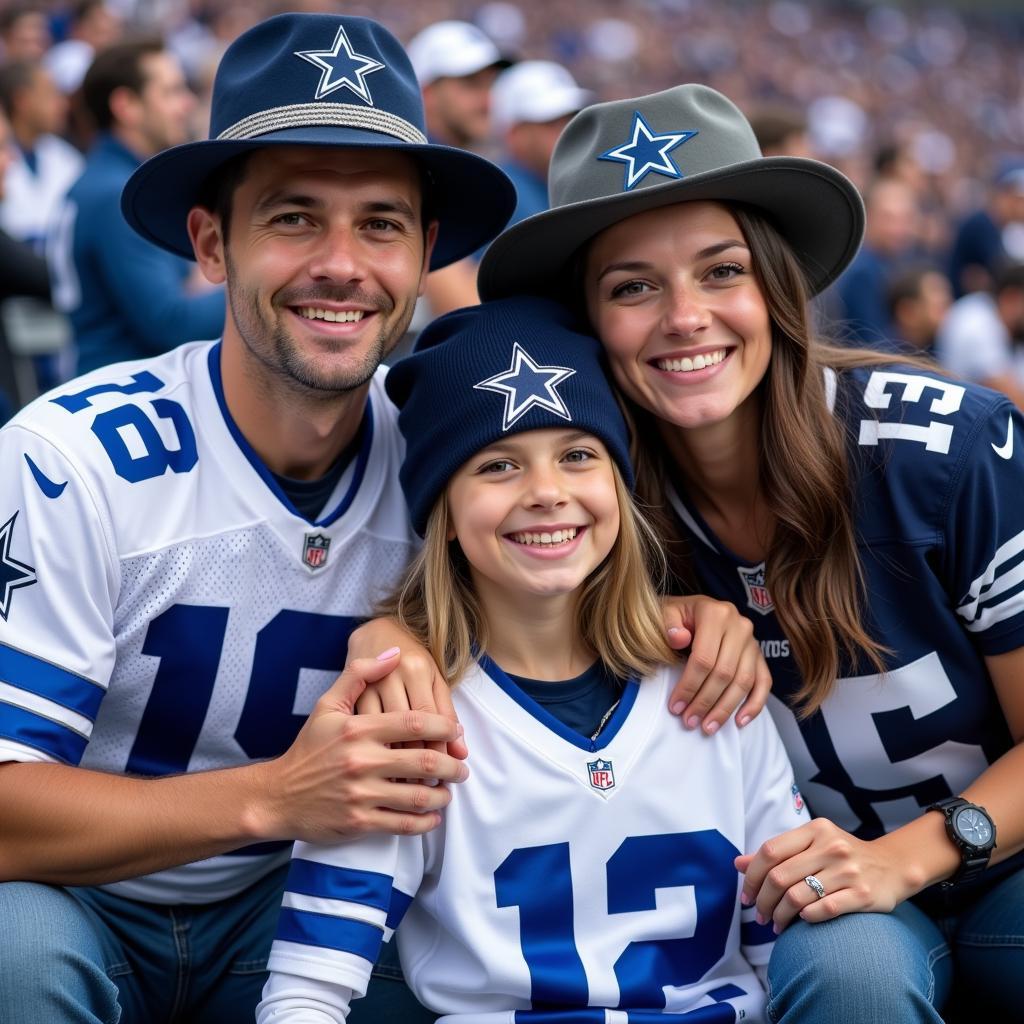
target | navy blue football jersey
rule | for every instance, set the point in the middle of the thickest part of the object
(938, 474)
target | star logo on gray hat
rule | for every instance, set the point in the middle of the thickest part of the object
(527, 385)
(647, 152)
(342, 67)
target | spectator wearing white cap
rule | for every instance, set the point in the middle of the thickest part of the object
(456, 64)
(530, 105)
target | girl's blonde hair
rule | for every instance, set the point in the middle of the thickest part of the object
(618, 613)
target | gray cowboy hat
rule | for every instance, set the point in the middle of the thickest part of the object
(614, 160)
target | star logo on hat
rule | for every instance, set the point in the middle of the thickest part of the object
(341, 67)
(13, 574)
(527, 385)
(647, 152)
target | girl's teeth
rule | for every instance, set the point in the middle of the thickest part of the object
(557, 537)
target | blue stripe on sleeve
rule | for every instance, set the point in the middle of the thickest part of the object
(329, 932)
(400, 902)
(41, 733)
(368, 888)
(754, 934)
(44, 679)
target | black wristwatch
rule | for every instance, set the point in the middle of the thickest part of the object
(973, 833)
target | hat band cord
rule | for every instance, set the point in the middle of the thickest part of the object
(321, 115)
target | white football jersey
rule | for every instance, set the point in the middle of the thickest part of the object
(163, 607)
(571, 881)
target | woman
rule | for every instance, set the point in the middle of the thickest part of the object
(865, 515)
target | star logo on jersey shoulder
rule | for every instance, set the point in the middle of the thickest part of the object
(13, 574)
(527, 385)
(647, 152)
(341, 67)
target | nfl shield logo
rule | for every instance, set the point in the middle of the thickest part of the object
(314, 554)
(757, 593)
(601, 774)
(798, 800)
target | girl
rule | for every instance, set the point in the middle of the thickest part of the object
(866, 515)
(569, 874)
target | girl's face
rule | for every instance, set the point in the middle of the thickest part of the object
(535, 513)
(672, 295)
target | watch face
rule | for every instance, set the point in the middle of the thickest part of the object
(973, 826)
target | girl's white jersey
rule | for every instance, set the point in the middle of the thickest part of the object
(163, 606)
(571, 881)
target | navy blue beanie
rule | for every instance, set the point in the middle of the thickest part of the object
(489, 371)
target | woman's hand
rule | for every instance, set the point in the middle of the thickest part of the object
(724, 669)
(416, 684)
(857, 875)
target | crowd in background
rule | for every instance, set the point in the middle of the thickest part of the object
(922, 106)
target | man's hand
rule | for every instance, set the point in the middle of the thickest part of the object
(338, 779)
(724, 668)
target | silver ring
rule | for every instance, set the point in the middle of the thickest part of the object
(819, 889)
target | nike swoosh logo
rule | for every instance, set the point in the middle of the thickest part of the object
(46, 485)
(1007, 449)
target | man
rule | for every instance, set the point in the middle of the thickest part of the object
(982, 336)
(530, 105)
(24, 32)
(188, 541)
(979, 246)
(918, 300)
(890, 245)
(126, 297)
(456, 65)
(94, 25)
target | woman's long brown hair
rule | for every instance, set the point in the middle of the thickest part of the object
(812, 565)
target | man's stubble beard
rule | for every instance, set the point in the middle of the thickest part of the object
(272, 346)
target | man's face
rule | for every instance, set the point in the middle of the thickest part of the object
(164, 104)
(458, 109)
(28, 38)
(324, 260)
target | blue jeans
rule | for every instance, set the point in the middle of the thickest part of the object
(900, 968)
(85, 956)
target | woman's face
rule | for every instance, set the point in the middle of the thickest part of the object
(673, 297)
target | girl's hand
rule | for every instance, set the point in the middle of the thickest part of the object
(857, 875)
(724, 669)
(416, 684)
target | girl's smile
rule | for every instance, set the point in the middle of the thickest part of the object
(535, 513)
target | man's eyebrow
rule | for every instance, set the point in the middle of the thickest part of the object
(396, 205)
(279, 197)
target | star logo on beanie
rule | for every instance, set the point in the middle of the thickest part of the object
(647, 152)
(342, 67)
(527, 385)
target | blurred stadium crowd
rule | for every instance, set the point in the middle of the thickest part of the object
(921, 105)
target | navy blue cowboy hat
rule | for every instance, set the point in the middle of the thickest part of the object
(319, 80)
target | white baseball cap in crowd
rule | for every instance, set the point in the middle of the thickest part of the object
(452, 49)
(535, 91)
